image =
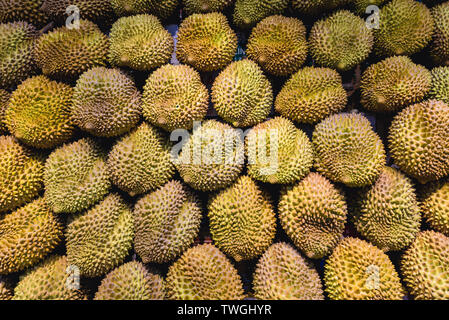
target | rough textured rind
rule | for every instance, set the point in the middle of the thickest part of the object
(242, 95)
(278, 44)
(106, 102)
(387, 214)
(67, 53)
(315, 7)
(247, 13)
(361, 6)
(357, 270)
(205, 6)
(347, 150)
(131, 281)
(203, 273)
(27, 235)
(38, 113)
(139, 42)
(405, 28)
(278, 152)
(141, 161)
(242, 220)
(206, 42)
(5, 292)
(21, 174)
(4, 100)
(425, 265)
(174, 97)
(283, 274)
(439, 48)
(313, 214)
(23, 10)
(49, 281)
(340, 41)
(76, 176)
(212, 158)
(94, 10)
(17, 62)
(166, 222)
(99, 239)
(394, 83)
(419, 140)
(160, 8)
(434, 202)
(440, 84)
(311, 94)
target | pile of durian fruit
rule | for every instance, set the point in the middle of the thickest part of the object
(95, 205)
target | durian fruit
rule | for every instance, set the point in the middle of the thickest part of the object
(53, 279)
(203, 273)
(5, 292)
(23, 10)
(76, 176)
(93, 10)
(21, 174)
(68, 52)
(242, 220)
(434, 202)
(311, 94)
(394, 83)
(387, 213)
(314, 7)
(340, 41)
(360, 6)
(347, 150)
(205, 6)
(160, 8)
(99, 240)
(27, 235)
(106, 102)
(278, 44)
(283, 274)
(206, 41)
(405, 28)
(425, 265)
(440, 84)
(140, 42)
(166, 222)
(278, 152)
(174, 97)
(419, 140)
(247, 13)
(131, 281)
(4, 100)
(439, 48)
(212, 158)
(38, 112)
(242, 95)
(141, 161)
(313, 214)
(17, 62)
(357, 270)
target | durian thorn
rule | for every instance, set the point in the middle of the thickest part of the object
(381, 100)
(446, 62)
(271, 179)
(262, 59)
(341, 66)
(190, 59)
(89, 126)
(246, 21)
(309, 255)
(399, 52)
(235, 123)
(238, 258)
(124, 59)
(161, 120)
(127, 8)
(205, 6)
(132, 193)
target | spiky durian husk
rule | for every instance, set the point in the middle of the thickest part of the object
(247, 13)
(203, 273)
(131, 281)
(419, 140)
(311, 94)
(206, 42)
(242, 95)
(166, 222)
(99, 240)
(434, 202)
(347, 150)
(174, 97)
